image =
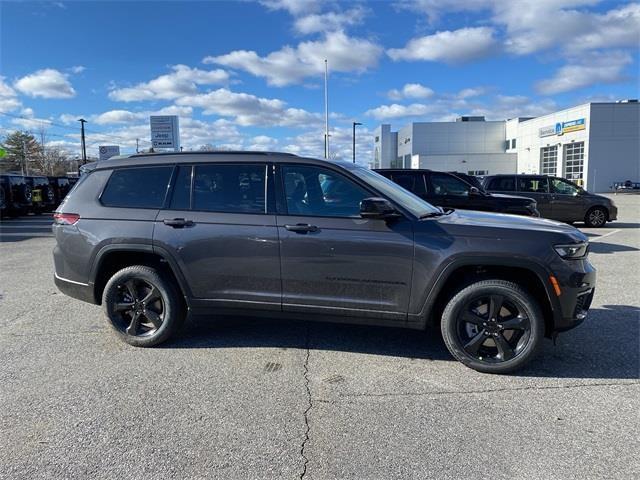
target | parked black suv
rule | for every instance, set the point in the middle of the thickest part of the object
(154, 236)
(455, 190)
(60, 187)
(16, 193)
(43, 197)
(558, 198)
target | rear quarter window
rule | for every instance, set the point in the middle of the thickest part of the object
(143, 187)
(502, 184)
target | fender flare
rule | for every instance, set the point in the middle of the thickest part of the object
(541, 272)
(142, 248)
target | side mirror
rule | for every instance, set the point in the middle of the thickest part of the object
(375, 207)
(474, 191)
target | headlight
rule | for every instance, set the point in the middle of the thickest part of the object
(573, 251)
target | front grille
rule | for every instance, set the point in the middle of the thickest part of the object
(583, 302)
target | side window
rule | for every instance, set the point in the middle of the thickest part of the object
(448, 185)
(316, 191)
(143, 187)
(502, 184)
(533, 184)
(181, 197)
(563, 187)
(236, 188)
(406, 181)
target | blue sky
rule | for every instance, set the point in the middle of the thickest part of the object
(249, 74)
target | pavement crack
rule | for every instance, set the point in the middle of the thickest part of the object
(303, 454)
(491, 390)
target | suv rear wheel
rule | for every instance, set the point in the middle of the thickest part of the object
(493, 326)
(596, 217)
(142, 306)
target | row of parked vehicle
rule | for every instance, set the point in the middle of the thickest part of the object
(544, 196)
(20, 195)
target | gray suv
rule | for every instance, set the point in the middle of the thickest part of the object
(557, 198)
(154, 237)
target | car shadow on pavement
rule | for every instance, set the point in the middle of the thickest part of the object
(605, 346)
(602, 247)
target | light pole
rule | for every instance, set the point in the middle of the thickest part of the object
(84, 146)
(354, 140)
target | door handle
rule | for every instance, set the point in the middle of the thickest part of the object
(177, 222)
(302, 228)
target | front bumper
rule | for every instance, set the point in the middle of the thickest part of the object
(577, 291)
(613, 212)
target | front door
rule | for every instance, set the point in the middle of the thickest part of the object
(566, 201)
(332, 260)
(217, 228)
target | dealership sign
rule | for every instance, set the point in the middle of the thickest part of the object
(165, 132)
(108, 151)
(547, 131)
(568, 127)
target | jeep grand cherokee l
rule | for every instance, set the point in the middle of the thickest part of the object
(456, 190)
(153, 237)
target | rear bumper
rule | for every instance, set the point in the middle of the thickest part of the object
(77, 290)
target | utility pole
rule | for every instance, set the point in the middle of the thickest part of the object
(84, 146)
(354, 140)
(137, 145)
(326, 110)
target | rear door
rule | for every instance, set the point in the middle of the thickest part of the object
(537, 187)
(218, 227)
(449, 191)
(333, 261)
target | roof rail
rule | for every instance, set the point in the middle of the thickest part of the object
(216, 152)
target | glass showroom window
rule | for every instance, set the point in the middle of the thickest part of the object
(549, 160)
(574, 161)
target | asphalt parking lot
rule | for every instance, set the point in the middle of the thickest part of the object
(248, 398)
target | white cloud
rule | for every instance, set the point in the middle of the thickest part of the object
(595, 68)
(386, 112)
(471, 92)
(294, 7)
(182, 81)
(46, 83)
(292, 65)
(8, 97)
(248, 109)
(434, 9)
(329, 21)
(115, 117)
(410, 90)
(76, 69)
(457, 46)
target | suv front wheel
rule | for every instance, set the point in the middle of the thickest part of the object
(142, 306)
(493, 326)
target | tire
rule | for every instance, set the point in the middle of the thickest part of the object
(596, 217)
(159, 315)
(470, 340)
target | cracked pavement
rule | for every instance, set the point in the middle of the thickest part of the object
(255, 398)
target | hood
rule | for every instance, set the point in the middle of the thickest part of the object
(510, 224)
(513, 198)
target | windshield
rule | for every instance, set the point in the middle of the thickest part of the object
(394, 192)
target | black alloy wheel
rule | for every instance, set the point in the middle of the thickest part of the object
(596, 217)
(493, 326)
(142, 305)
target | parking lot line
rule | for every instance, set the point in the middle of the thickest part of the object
(605, 235)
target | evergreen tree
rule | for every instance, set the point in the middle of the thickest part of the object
(20, 147)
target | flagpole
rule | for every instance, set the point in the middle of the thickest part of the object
(326, 111)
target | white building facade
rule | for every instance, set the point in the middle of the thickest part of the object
(594, 145)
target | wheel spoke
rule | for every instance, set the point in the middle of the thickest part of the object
(152, 296)
(504, 349)
(474, 344)
(131, 289)
(153, 317)
(495, 305)
(132, 329)
(471, 317)
(516, 323)
(123, 306)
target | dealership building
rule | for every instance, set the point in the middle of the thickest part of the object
(594, 145)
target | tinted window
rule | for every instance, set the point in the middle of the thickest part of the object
(181, 197)
(563, 187)
(238, 188)
(406, 181)
(316, 191)
(502, 184)
(443, 184)
(137, 187)
(532, 184)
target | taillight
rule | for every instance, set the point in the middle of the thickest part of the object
(65, 218)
